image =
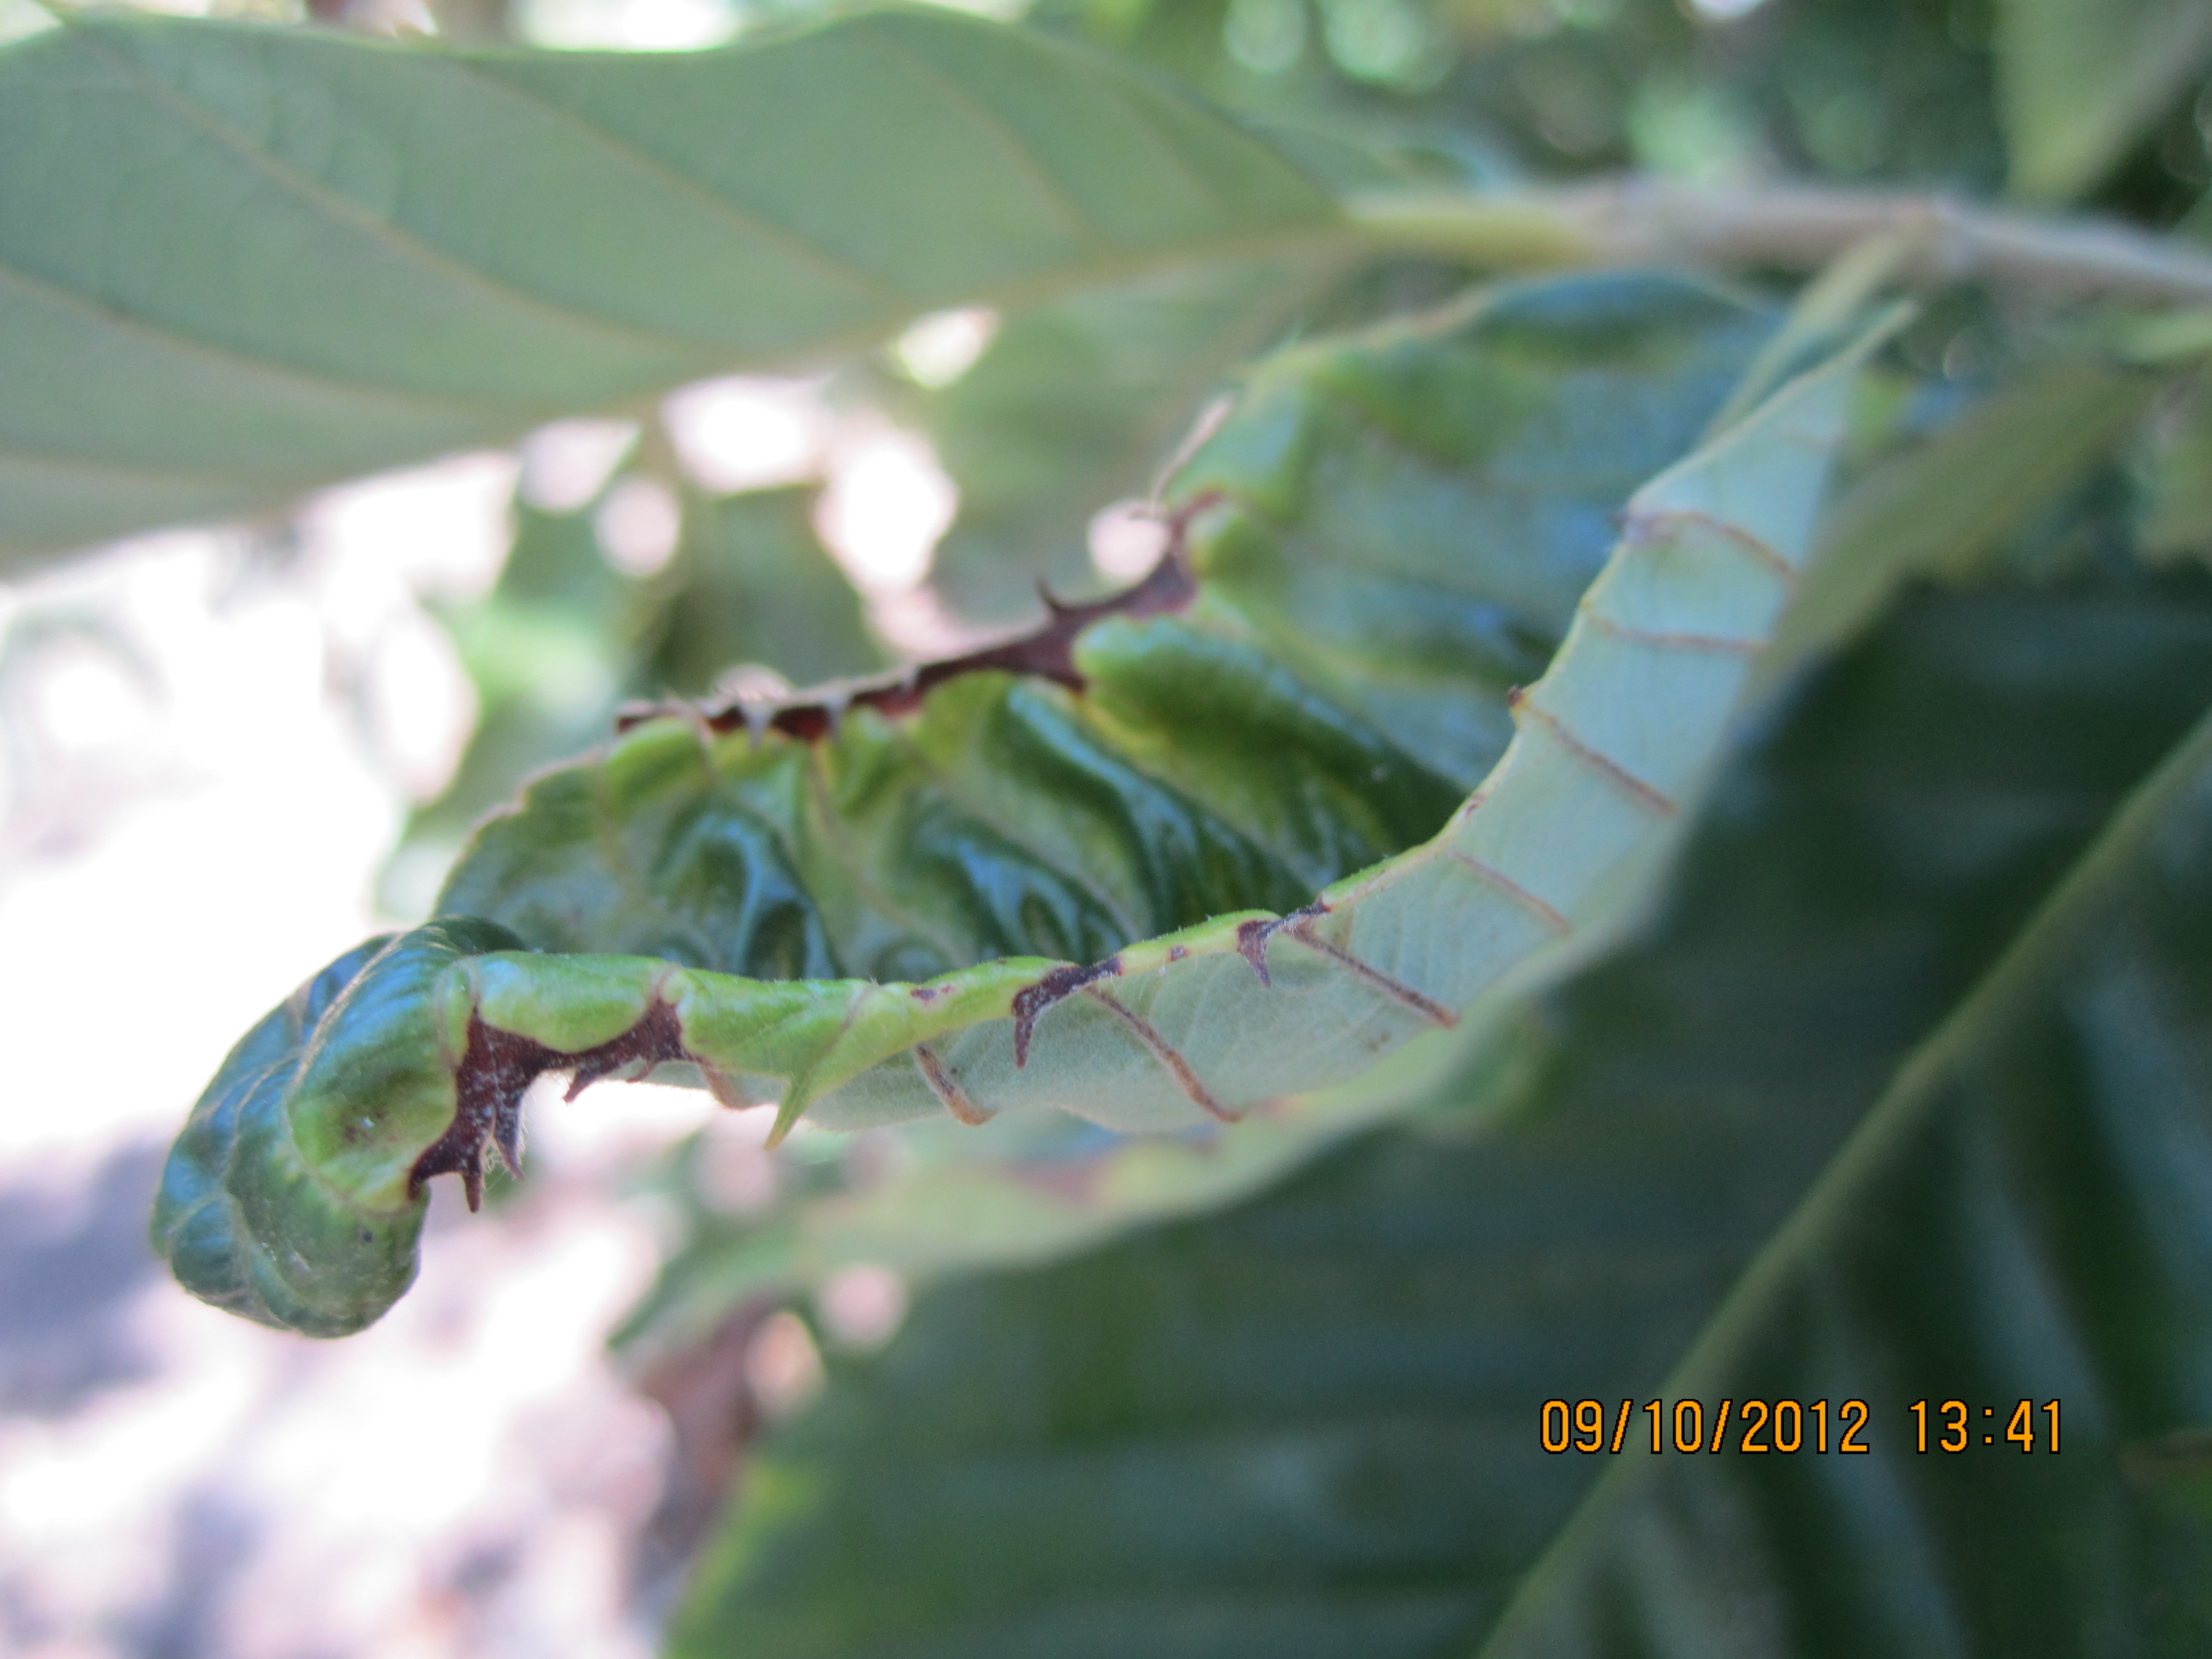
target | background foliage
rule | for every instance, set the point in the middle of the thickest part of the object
(1897, 1088)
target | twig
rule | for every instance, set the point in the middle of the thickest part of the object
(1798, 228)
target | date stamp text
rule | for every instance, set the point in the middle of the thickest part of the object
(1753, 1427)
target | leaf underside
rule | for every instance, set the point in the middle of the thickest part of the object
(240, 261)
(1266, 735)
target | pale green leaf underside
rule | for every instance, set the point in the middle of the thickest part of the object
(240, 261)
(1612, 742)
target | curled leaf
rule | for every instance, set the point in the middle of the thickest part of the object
(305, 1163)
(291, 1197)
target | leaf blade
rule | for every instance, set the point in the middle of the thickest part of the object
(2085, 1043)
(334, 255)
(2079, 84)
(1156, 1032)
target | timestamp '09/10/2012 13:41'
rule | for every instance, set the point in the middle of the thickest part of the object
(1756, 1426)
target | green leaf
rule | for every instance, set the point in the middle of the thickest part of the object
(240, 261)
(1308, 1424)
(2026, 1217)
(1198, 785)
(751, 583)
(1940, 510)
(1071, 408)
(2178, 515)
(563, 637)
(2081, 81)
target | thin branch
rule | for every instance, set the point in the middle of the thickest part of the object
(1798, 228)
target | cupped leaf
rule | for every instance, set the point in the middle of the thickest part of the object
(842, 920)
(286, 1198)
(1950, 507)
(239, 261)
(1310, 1423)
(2018, 1238)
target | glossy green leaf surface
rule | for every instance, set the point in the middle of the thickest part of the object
(240, 261)
(1407, 522)
(1309, 1424)
(888, 922)
(563, 638)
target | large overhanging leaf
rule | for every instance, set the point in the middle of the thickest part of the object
(1198, 784)
(1310, 1424)
(2019, 1238)
(237, 261)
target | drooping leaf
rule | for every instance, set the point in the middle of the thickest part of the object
(2023, 1226)
(2082, 80)
(739, 878)
(238, 261)
(1310, 1424)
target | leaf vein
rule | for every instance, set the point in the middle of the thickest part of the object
(383, 233)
